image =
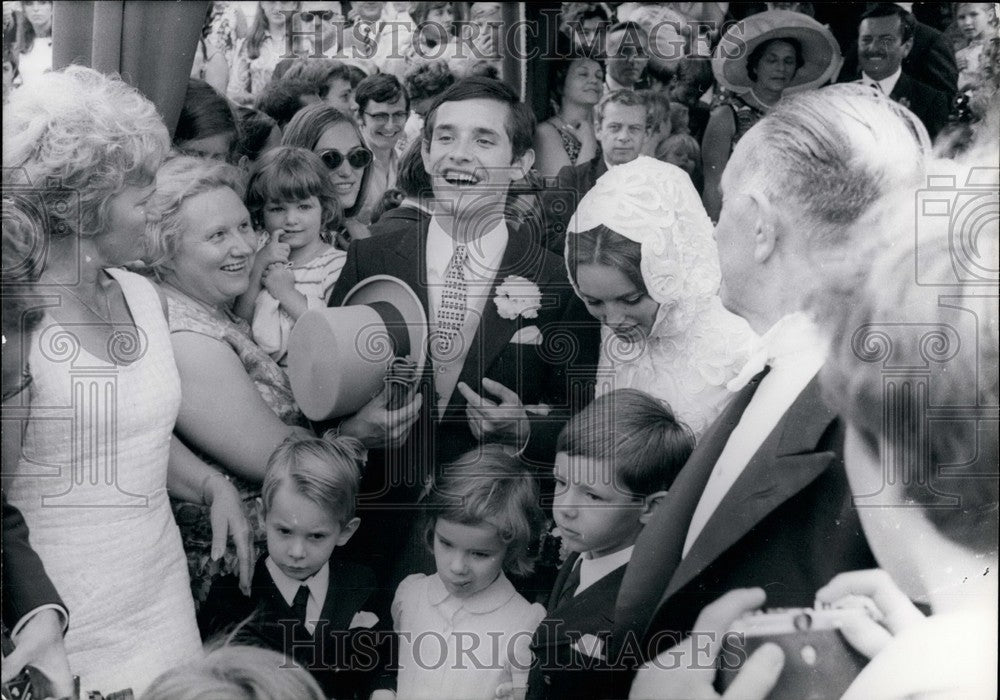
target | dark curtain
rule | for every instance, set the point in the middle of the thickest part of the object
(150, 44)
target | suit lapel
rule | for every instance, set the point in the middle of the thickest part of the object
(564, 572)
(784, 465)
(494, 332)
(344, 597)
(408, 259)
(659, 546)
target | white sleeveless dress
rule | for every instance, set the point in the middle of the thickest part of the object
(91, 484)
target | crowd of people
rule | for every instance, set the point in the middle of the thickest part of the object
(668, 348)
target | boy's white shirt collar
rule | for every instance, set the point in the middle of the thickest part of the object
(318, 584)
(593, 570)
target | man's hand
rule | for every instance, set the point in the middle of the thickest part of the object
(379, 428)
(227, 519)
(40, 644)
(864, 634)
(503, 421)
(687, 671)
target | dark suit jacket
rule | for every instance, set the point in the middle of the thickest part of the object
(560, 199)
(347, 663)
(397, 221)
(787, 525)
(25, 584)
(932, 106)
(560, 671)
(537, 373)
(559, 373)
(931, 61)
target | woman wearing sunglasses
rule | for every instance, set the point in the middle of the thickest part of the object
(336, 139)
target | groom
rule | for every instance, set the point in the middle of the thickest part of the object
(506, 326)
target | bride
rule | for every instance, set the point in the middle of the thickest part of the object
(641, 255)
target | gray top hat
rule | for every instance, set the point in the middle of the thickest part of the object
(339, 358)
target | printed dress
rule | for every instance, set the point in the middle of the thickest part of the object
(272, 383)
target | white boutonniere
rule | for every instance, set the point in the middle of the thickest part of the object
(518, 296)
(591, 646)
(364, 619)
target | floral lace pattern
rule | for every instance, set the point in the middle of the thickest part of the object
(695, 346)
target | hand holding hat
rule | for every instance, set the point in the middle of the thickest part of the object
(342, 359)
(378, 427)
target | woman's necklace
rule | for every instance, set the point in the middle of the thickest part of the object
(564, 125)
(109, 319)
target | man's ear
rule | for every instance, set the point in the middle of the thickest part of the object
(766, 224)
(524, 163)
(907, 47)
(425, 154)
(649, 504)
(347, 530)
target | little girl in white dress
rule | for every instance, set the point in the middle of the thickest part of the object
(290, 196)
(464, 631)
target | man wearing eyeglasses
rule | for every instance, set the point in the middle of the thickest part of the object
(383, 107)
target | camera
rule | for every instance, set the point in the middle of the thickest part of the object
(965, 213)
(819, 662)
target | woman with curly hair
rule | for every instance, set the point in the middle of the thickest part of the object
(98, 457)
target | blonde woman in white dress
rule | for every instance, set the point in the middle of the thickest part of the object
(93, 476)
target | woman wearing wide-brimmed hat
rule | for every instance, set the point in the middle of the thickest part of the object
(759, 60)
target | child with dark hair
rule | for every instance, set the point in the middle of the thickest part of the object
(615, 461)
(291, 197)
(480, 520)
(258, 134)
(282, 99)
(207, 126)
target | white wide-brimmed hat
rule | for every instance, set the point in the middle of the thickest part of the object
(820, 50)
(339, 357)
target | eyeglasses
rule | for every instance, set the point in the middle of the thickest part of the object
(357, 158)
(324, 15)
(382, 118)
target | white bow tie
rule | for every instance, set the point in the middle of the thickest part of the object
(791, 334)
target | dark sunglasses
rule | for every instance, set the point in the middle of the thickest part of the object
(357, 158)
(324, 15)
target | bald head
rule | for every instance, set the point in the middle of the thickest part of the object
(801, 190)
(827, 156)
